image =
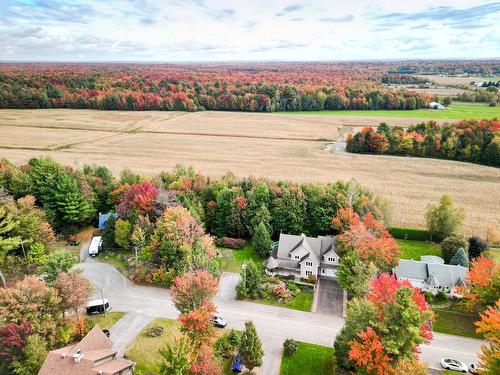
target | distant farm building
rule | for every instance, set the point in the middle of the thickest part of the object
(436, 105)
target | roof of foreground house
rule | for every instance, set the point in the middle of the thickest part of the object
(93, 355)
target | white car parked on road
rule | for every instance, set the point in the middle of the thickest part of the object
(454, 365)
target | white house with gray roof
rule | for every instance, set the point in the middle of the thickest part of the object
(431, 274)
(303, 256)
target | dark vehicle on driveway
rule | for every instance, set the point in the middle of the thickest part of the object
(237, 365)
(97, 306)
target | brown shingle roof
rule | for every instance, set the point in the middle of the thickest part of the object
(94, 348)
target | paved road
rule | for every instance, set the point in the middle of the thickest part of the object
(273, 324)
(330, 297)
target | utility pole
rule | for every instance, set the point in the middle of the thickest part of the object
(4, 284)
(103, 304)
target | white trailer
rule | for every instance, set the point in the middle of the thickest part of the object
(95, 246)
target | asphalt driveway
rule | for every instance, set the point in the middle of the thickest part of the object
(330, 297)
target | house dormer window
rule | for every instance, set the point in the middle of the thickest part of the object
(331, 259)
(309, 264)
(297, 257)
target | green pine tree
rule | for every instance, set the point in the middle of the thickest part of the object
(261, 240)
(460, 258)
(251, 347)
(8, 224)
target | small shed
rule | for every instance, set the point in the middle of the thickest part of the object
(103, 218)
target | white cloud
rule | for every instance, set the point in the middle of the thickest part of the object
(197, 30)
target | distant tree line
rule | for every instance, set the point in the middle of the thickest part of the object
(466, 140)
(196, 88)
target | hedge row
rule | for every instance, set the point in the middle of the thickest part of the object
(410, 234)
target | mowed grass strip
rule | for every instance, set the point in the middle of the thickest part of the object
(458, 111)
(309, 359)
(145, 350)
(106, 321)
(415, 249)
(455, 323)
(233, 259)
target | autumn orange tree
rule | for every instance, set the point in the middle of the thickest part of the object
(382, 328)
(483, 284)
(192, 294)
(367, 237)
(489, 327)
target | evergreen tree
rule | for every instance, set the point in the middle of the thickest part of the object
(261, 240)
(262, 215)
(251, 279)
(251, 347)
(8, 241)
(67, 203)
(56, 263)
(108, 234)
(460, 258)
(450, 246)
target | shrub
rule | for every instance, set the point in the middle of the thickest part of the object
(476, 247)
(281, 292)
(450, 246)
(311, 279)
(154, 331)
(429, 297)
(264, 294)
(290, 346)
(492, 152)
(161, 277)
(441, 296)
(231, 243)
(292, 286)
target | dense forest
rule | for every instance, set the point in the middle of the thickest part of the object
(44, 197)
(466, 140)
(259, 87)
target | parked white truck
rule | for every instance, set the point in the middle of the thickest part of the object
(95, 246)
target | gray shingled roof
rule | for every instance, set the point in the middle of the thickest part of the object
(434, 274)
(411, 269)
(315, 246)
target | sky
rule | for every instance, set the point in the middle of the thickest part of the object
(254, 30)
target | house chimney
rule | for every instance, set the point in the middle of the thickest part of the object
(77, 356)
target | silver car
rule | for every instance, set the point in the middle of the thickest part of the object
(454, 365)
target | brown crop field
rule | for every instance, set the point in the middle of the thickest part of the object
(287, 147)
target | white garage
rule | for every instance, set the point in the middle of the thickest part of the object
(328, 272)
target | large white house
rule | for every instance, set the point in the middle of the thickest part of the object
(303, 256)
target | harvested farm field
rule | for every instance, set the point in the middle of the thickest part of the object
(286, 147)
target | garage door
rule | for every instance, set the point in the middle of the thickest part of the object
(328, 272)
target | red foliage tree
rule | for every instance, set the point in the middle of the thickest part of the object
(139, 198)
(206, 364)
(13, 340)
(197, 323)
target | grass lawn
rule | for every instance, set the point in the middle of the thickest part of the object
(455, 323)
(233, 259)
(302, 301)
(414, 249)
(309, 359)
(115, 258)
(458, 110)
(493, 254)
(106, 321)
(144, 349)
